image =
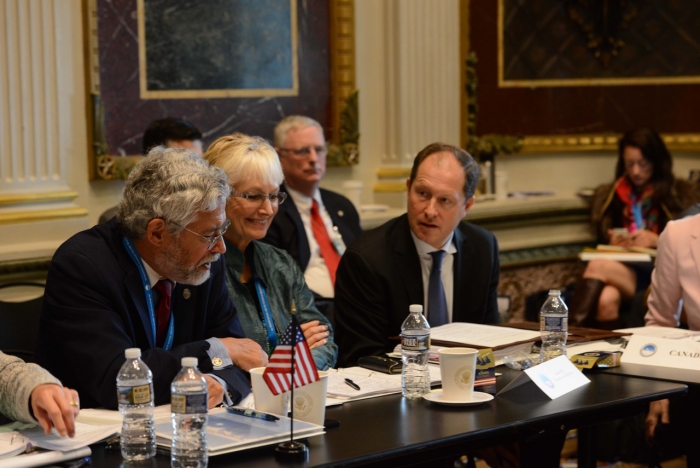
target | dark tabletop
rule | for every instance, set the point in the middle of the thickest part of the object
(391, 431)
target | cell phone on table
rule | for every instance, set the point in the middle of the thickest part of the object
(620, 232)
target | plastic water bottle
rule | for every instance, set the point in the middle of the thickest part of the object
(554, 325)
(189, 398)
(135, 398)
(415, 352)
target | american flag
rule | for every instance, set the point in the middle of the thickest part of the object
(278, 373)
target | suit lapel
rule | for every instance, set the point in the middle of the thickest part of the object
(134, 287)
(408, 263)
(292, 213)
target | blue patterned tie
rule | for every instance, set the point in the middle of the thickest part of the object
(437, 305)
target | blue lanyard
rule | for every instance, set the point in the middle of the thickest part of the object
(136, 258)
(268, 321)
(637, 212)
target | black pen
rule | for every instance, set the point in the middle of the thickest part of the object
(252, 413)
(352, 384)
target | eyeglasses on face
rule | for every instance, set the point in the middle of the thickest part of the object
(255, 198)
(211, 240)
(306, 151)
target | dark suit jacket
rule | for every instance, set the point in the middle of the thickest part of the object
(287, 230)
(380, 276)
(95, 308)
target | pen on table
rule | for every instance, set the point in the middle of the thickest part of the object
(252, 413)
(352, 384)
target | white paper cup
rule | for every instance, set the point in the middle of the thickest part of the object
(265, 400)
(457, 368)
(310, 400)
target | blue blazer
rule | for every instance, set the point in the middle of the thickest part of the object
(95, 308)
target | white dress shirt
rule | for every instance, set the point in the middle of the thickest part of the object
(316, 274)
(446, 274)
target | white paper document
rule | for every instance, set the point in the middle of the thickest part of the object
(486, 336)
(660, 332)
(85, 434)
(30, 460)
(371, 383)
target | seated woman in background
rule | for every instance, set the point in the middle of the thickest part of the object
(643, 198)
(263, 280)
(28, 393)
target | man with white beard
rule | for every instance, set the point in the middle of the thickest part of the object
(152, 278)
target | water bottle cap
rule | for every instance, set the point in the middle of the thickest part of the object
(132, 353)
(554, 292)
(415, 308)
(189, 362)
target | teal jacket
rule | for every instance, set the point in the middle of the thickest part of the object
(284, 282)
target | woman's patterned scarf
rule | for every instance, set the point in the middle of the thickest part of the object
(650, 214)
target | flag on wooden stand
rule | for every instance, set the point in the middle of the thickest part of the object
(278, 373)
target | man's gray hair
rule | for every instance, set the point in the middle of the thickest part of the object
(292, 122)
(173, 184)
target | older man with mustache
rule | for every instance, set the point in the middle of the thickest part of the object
(152, 278)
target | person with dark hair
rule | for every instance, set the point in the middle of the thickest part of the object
(169, 132)
(631, 212)
(173, 133)
(389, 268)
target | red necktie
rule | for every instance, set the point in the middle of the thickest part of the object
(328, 252)
(164, 288)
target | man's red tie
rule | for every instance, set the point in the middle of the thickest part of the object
(165, 289)
(328, 252)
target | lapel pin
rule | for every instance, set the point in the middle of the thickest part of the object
(341, 213)
(186, 293)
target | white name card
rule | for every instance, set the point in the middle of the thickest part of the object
(675, 353)
(555, 378)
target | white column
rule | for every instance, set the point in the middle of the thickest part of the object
(422, 70)
(36, 203)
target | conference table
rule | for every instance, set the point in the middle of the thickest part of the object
(392, 431)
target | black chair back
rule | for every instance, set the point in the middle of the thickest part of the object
(19, 322)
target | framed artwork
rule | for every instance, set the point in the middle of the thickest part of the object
(224, 65)
(572, 75)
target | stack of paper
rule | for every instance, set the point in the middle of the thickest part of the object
(227, 432)
(372, 384)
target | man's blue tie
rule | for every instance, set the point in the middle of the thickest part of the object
(437, 305)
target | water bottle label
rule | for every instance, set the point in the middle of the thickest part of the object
(415, 342)
(138, 395)
(189, 404)
(555, 324)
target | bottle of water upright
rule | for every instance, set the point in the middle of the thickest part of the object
(415, 351)
(554, 325)
(135, 398)
(189, 403)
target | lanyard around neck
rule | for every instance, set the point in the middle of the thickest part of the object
(136, 258)
(268, 321)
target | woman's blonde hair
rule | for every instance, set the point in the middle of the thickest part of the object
(243, 157)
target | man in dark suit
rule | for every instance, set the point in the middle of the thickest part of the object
(302, 149)
(154, 279)
(389, 268)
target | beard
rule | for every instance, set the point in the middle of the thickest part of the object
(171, 260)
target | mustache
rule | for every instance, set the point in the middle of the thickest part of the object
(210, 259)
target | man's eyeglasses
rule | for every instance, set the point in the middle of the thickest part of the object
(306, 151)
(213, 239)
(259, 198)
